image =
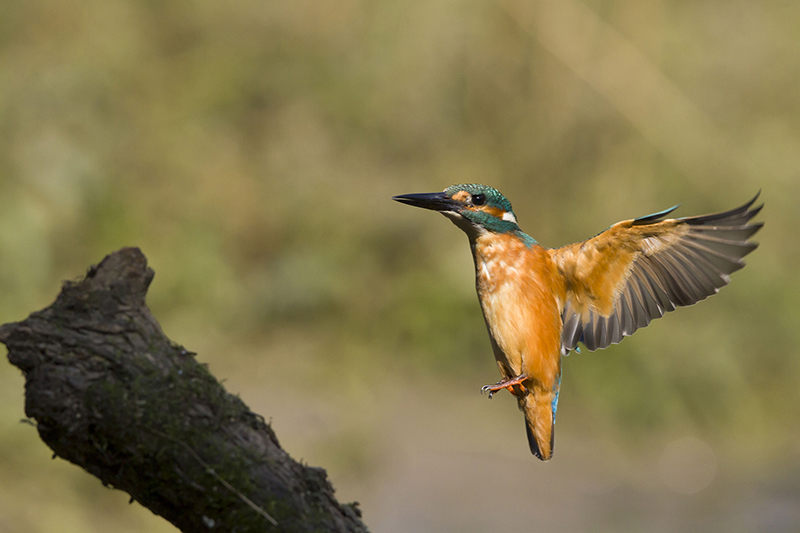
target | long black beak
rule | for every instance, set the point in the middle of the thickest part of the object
(437, 201)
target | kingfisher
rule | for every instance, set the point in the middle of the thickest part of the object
(539, 303)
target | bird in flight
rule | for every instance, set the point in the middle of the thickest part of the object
(539, 303)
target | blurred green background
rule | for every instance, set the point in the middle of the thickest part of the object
(250, 149)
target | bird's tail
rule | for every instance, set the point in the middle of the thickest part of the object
(539, 406)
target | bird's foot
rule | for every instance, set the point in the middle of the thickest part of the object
(505, 383)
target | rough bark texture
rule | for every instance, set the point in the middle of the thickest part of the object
(112, 394)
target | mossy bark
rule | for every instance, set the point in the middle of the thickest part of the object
(112, 394)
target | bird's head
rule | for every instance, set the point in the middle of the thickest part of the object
(474, 208)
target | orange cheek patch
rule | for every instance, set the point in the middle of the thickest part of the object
(494, 211)
(461, 196)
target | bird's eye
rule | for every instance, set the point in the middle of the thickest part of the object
(478, 199)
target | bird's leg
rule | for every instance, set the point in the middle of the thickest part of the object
(505, 383)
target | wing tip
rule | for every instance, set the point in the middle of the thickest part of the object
(745, 210)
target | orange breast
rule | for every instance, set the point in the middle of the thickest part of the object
(520, 295)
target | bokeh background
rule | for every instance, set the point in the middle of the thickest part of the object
(250, 149)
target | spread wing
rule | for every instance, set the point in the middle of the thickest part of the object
(637, 270)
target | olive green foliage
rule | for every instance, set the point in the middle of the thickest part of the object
(251, 149)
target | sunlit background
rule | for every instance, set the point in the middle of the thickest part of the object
(251, 148)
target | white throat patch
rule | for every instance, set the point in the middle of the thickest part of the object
(472, 230)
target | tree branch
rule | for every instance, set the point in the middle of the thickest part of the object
(112, 394)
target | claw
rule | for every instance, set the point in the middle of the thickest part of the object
(505, 383)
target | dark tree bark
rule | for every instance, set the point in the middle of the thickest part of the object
(112, 394)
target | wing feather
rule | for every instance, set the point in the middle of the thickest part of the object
(640, 269)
